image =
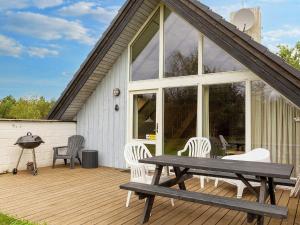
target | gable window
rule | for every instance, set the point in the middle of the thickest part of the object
(180, 46)
(216, 60)
(145, 52)
(190, 86)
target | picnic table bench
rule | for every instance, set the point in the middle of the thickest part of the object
(268, 174)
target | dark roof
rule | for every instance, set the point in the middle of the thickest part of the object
(268, 66)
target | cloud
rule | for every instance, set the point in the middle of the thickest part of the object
(42, 4)
(288, 31)
(41, 52)
(46, 28)
(271, 1)
(281, 36)
(22, 4)
(91, 9)
(10, 47)
(225, 10)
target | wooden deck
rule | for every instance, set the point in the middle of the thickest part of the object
(81, 196)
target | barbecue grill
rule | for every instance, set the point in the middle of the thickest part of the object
(28, 142)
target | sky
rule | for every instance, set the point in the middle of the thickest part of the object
(44, 42)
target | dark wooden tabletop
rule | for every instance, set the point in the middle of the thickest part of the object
(273, 170)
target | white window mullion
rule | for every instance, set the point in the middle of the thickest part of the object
(200, 55)
(200, 111)
(159, 121)
(248, 115)
(161, 43)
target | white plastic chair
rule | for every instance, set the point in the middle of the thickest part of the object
(256, 155)
(139, 172)
(295, 191)
(197, 147)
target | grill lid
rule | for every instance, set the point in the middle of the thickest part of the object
(29, 138)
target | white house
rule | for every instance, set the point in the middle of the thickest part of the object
(165, 71)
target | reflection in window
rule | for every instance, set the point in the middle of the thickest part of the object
(180, 116)
(215, 59)
(181, 46)
(144, 116)
(224, 118)
(274, 125)
(145, 52)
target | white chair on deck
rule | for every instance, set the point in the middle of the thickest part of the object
(197, 147)
(295, 190)
(256, 155)
(139, 172)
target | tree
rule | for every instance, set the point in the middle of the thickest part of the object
(5, 106)
(25, 108)
(290, 54)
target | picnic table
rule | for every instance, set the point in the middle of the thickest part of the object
(268, 174)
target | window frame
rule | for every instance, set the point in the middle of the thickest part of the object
(198, 80)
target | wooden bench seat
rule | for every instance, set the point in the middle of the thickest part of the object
(253, 208)
(277, 181)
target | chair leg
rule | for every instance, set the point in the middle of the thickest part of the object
(65, 160)
(216, 182)
(240, 191)
(128, 199)
(72, 163)
(53, 165)
(202, 181)
(172, 202)
(79, 161)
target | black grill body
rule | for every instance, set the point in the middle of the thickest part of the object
(28, 141)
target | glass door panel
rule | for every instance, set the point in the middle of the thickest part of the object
(180, 117)
(144, 122)
(224, 118)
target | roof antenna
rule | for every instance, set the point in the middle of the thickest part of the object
(244, 3)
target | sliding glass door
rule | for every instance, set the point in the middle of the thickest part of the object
(224, 118)
(180, 117)
(144, 118)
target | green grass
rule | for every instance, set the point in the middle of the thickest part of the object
(8, 220)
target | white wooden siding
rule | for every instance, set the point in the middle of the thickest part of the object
(108, 61)
(52, 133)
(102, 126)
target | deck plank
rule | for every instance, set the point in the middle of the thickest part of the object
(81, 196)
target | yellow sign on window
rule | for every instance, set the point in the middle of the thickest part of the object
(151, 137)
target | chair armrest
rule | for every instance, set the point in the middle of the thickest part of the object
(60, 147)
(56, 149)
(179, 153)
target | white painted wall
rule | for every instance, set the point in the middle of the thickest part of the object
(53, 134)
(104, 128)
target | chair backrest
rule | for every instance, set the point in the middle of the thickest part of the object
(223, 141)
(198, 147)
(75, 143)
(133, 152)
(216, 147)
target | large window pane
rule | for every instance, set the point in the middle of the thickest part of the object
(144, 116)
(215, 59)
(274, 125)
(181, 46)
(180, 116)
(224, 118)
(145, 52)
